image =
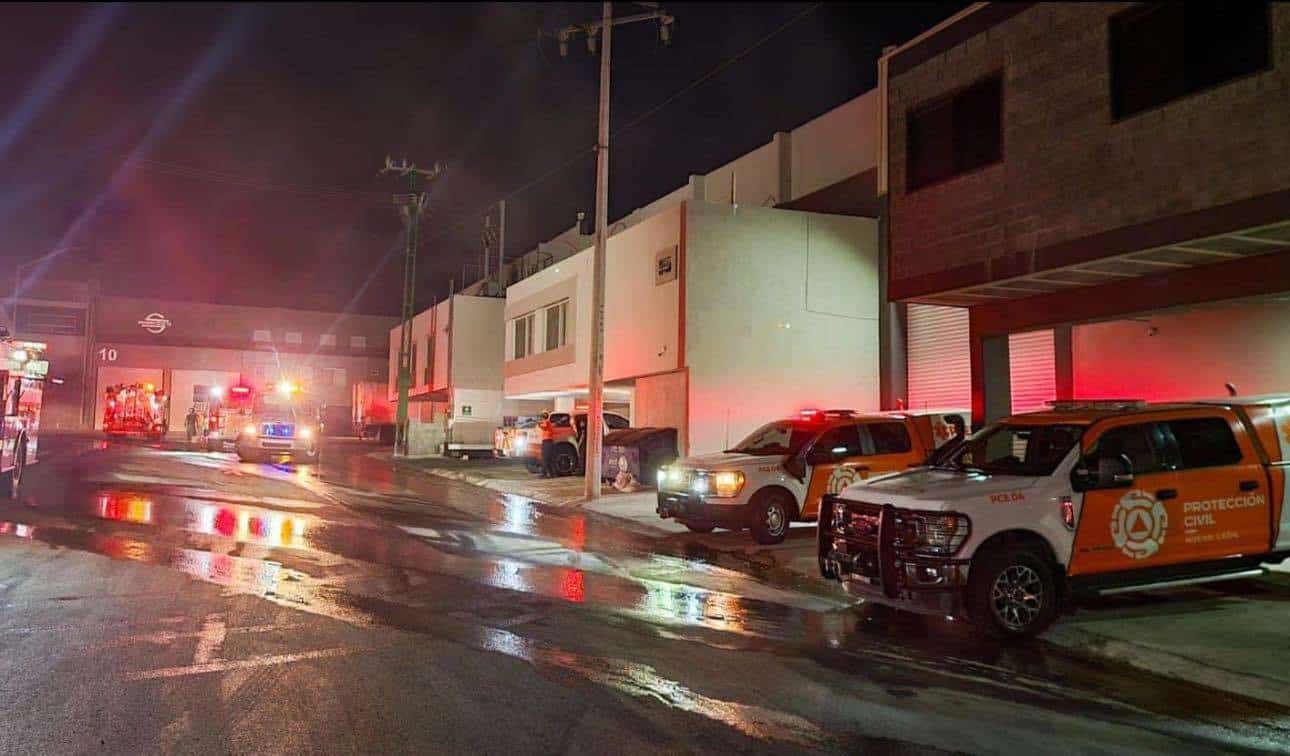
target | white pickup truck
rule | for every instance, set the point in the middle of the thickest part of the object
(1089, 498)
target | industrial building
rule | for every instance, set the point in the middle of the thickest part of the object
(182, 347)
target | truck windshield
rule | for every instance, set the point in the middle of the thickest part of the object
(1028, 450)
(780, 437)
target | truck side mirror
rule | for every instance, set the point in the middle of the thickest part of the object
(1114, 472)
(796, 466)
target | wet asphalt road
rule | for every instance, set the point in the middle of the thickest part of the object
(156, 599)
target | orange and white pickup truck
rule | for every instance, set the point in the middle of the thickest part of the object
(1036, 510)
(779, 473)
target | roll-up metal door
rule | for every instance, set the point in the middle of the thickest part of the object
(938, 357)
(1032, 370)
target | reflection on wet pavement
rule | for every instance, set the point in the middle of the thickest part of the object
(643, 681)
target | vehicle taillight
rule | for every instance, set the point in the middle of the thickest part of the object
(1068, 512)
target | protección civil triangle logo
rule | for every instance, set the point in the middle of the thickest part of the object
(154, 323)
(1138, 524)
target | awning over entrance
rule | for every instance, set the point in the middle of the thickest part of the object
(1174, 257)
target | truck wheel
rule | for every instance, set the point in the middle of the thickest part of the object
(13, 481)
(564, 460)
(1012, 592)
(769, 515)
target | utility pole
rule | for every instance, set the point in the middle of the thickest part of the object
(596, 378)
(411, 205)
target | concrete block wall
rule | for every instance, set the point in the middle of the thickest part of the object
(1069, 171)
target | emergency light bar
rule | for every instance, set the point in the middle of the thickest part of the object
(1069, 405)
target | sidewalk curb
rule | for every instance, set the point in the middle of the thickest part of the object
(502, 486)
(1175, 666)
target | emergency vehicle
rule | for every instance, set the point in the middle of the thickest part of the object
(1039, 509)
(779, 473)
(564, 430)
(225, 413)
(136, 409)
(285, 423)
(23, 371)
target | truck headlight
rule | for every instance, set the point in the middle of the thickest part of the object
(306, 433)
(662, 477)
(727, 483)
(931, 533)
(250, 431)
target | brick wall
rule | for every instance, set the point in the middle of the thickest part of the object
(1068, 171)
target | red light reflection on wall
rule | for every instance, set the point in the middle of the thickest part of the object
(571, 586)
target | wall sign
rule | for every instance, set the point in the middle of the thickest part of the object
(108, 354)
(465, 410)
(154, 323)
(665, 266)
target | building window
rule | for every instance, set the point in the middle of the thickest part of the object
(337, 377)
(327, 340)
(522, 329)
(557, 325)
(954, 135)
(293, 337)
(1163, 51)
(412, 364)
(357, 342)
(261, 336)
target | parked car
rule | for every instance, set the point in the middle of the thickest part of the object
(562, 428)
(779, 473)
(1040, 509)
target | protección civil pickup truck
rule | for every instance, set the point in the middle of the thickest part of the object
(779, 473)
(1037, 510)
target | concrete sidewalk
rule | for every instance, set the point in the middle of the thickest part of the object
(508, 476)
(1227, 636)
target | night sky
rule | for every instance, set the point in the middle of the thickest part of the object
(230, 153)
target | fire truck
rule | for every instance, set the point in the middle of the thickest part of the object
(224, 414)
(23, 371)
(136, 409)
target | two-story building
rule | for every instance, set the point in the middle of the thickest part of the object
(1089, 200)
(727, 302)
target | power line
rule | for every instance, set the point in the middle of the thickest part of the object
(580, 155)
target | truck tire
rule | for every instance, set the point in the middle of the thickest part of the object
(1012, 592)
(769, 514)
(13, 480)
(564, 460)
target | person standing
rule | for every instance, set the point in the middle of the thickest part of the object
(190, 424)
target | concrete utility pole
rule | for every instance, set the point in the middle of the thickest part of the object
(596, 379)
(411, 205)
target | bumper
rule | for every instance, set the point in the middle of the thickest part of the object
(870, 568)
(295, 447)
(689, 508)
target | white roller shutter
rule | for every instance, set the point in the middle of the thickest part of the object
(937, 357)
(1032, 370)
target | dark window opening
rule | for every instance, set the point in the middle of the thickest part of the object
(1141, 444)
(889, 438)
(1205, 442)
(1161, 52)
(840, 442)
(956, 135)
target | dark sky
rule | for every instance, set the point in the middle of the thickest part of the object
(230, 153)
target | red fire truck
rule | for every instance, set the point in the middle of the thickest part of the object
(136, 409)
(23, 371)
(227, 410)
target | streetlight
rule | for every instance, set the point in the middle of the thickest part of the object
(596, 380)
